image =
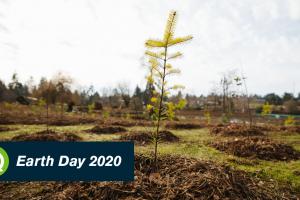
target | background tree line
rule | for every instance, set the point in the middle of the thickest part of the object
(58, 91)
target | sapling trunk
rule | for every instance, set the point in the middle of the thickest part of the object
(160, 105)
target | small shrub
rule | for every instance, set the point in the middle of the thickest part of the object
(91, 108)
(290, 121)
(266, 109)
(225, 118)
(106, 115)
(41, 102)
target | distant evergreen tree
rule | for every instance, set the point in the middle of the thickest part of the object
(137, 100)
(138, 92)
(3, 90)
(273, 99)
(94, 98)
(287, 96)
(148, 93)
(18, 88)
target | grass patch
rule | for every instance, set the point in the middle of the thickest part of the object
(282, 172)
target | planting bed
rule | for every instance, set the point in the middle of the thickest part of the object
(47, 136)
(261, 148)
(176, 178)
(236, 130)
(106, 129)
(146, 138)
(183, 125)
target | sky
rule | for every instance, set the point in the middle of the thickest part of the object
(101, 43)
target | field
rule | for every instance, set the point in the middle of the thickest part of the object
(189, 165)
(208, 95)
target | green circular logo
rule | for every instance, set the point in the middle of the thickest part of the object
(4, 161)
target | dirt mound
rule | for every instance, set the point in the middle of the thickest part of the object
(236, 130)
(181, 125)
(138, 137)
(168, 136)
(47, 136)
(106, 129)
(146, 138)
(264, 149)
(177, 178)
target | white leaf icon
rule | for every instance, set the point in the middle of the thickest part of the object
(1, 162)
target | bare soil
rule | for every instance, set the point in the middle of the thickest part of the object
(255, 147)
(106, 129)
(146, 138)
(176, 178)
(47, 136)
(236, 130)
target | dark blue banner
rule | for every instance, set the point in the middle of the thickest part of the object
(66, 161)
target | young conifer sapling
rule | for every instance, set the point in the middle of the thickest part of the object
(160, 70)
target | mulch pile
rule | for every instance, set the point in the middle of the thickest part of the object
(177, 178)
(236, 130)
(265, 128)
(47, 136)
(146, 138)
(106, 129)
(183, 125)
(261, 148)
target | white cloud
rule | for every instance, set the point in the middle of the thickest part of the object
(294, 9)
(101, 42)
